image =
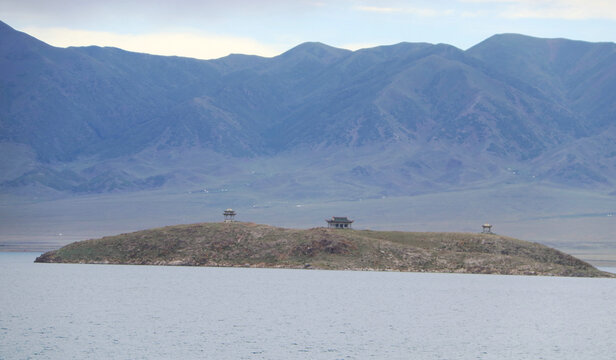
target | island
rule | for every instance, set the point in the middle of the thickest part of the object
(239, 244)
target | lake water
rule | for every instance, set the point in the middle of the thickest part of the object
(62, 311)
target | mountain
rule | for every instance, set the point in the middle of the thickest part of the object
(578, 74)
(390, 120)
(248, 244)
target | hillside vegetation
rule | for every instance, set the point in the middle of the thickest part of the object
(253, 245)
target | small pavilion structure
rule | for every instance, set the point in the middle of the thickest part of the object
(339, 222)
(486, 229)
(229, 215)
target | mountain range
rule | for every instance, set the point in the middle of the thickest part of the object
(315, 121)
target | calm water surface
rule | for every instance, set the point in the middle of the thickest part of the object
(60, 311)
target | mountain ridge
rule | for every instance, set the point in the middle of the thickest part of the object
(458, 117)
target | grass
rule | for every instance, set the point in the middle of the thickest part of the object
(248, 244)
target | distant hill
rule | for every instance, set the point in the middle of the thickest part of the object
(252, 245)
(390, 120)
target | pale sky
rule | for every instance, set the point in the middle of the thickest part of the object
(209, 29)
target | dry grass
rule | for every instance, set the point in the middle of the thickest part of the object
(253, 245)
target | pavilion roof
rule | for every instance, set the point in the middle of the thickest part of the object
(340, 219)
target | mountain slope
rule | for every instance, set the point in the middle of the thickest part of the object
(579, 74)
(427, 117)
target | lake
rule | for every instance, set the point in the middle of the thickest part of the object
(66, 311)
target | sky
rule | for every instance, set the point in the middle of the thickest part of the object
(208, 29)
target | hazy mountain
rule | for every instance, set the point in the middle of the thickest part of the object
(396, 119)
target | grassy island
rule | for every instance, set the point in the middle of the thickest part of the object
(253, 245)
